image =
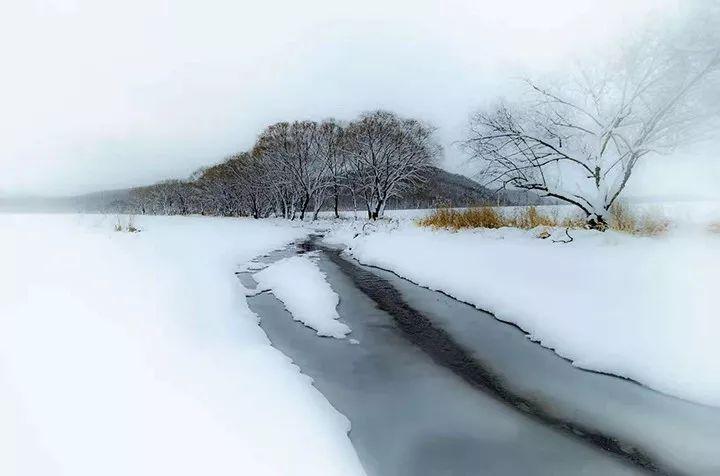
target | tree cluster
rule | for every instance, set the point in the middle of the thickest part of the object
(297, 168)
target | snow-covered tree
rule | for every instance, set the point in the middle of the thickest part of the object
(579, 140)
(330, 149)
(387, 154)
(292, 149)
(296, 165)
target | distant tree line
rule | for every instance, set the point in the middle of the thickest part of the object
(576, 139)
(297, 168)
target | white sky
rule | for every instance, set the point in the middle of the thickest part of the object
(99, 94)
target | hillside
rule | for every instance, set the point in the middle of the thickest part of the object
(441, 188)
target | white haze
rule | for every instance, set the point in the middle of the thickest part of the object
(99, 95)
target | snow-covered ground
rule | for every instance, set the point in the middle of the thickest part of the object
(643, 308)
(127, 353)
(137, 354)
(298, 282)
(681, 212)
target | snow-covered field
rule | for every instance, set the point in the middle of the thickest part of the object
(643, 308)
(136, 354)
(682, 212)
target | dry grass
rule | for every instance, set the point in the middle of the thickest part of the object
(491, 217)
(526, 218)
(530, 217)
(128, 227)
(482, 217)
(648, 224)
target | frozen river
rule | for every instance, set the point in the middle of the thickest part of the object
(436, 387)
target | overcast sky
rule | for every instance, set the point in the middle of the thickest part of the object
(97, 95)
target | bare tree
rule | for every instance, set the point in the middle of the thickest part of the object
(292, 149)
(338, 172)
(329, 149)
(139, 200)
(388, 153)
(214, 191)
(249, 176)
(297, 165)
(580, 140)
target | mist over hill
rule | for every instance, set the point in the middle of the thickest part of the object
(440, 188)
(443, 188)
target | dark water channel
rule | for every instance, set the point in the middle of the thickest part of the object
(435, 387)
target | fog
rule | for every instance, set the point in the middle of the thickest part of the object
(100, 95)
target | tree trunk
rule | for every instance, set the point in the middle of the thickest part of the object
(282, 206)
(379, 209)
(354, 200)
(305, 204)
(337, 202)
(596, 222)
(317, 210)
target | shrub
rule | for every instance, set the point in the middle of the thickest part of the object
(621, 219)
(648, 224)
(481, 217)
(129, 227)
(530, 217)
(491, 217)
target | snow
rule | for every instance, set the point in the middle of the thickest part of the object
(298, 282)
(137, 354)
(642, 308)
(683, 212)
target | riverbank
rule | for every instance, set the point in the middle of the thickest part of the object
(636, 307)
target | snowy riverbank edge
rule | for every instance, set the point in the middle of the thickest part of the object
(136, 353)
(640, 308)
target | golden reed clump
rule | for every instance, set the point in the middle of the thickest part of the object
(621, 219)
(492, 217)
(480, 217)
(648, 224)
